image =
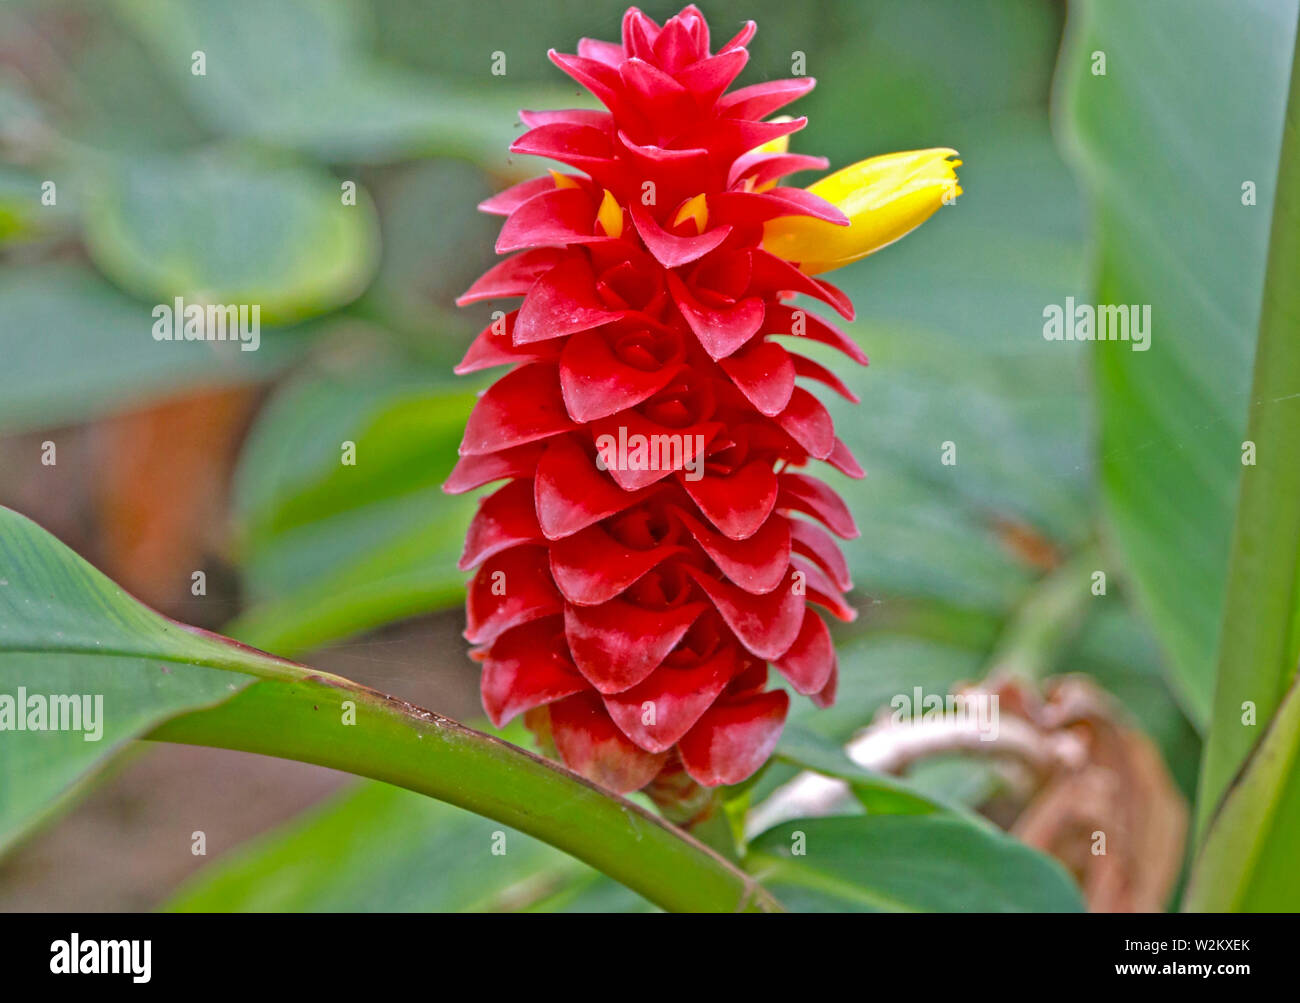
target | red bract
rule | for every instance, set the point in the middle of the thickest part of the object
(631, 602)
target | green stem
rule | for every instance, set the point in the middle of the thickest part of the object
(404, 745)
(1261, 633)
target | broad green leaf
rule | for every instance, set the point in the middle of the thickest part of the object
(1168, 141)
(65, 631)
(74, 348)
(215, 227)
(54, 603)
(435, 858)
(330, 549)
(1260, 643)
(62, 621)
(906, 863)
(121, 698)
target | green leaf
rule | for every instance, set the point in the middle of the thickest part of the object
(53, 602)
(74, 348)
(66, 630)
(214, 227)
(64, 624)
(120, 697)
(1165, 148)
(906, 863)
(330, 549)
(435, 858)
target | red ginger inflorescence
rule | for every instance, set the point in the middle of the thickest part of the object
(657, 544)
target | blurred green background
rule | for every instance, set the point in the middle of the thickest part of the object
(174, 458)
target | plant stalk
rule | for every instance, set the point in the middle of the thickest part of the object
(1260, 640)
(401, 744)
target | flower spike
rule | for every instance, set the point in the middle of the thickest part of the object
(658, 546)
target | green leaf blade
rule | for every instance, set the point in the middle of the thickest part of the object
(1165, 149)
(906, 863)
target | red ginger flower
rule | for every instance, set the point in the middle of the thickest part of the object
(650, 555)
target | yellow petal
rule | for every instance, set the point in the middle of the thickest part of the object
(884, 198)
(610, 215)
(696, 208)
(563, 180)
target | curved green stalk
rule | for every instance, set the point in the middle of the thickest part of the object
(401, 744)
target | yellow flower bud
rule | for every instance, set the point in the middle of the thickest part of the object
(884, 198)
